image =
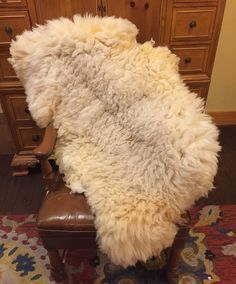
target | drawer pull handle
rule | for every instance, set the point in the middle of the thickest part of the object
(146, 6)
(192, 24)
(35, 137)
(8, 31)
(187, 60)
(101, 9)
(26, 109)
(132, 4)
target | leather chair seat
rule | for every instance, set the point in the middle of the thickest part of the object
(64, 211)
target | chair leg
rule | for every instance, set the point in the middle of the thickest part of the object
(95, 261)
(57, 266)
(173, 265)
(175, 255)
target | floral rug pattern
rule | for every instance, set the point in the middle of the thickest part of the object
(209, 255)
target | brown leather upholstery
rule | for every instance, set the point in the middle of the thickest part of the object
(62, 210)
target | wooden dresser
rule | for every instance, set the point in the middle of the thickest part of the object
(189, 27)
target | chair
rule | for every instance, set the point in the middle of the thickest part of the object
(65, 221)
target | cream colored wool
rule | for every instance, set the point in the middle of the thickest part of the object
(131, 136)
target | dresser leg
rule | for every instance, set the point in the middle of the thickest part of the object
(21, 163)
(20, 171)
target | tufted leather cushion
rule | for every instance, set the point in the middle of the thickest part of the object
(64, 211)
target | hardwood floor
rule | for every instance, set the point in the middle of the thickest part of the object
(23, 195)
(19, 195)
(225, 180)
(6, 143)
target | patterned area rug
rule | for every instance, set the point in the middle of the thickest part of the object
(209, 255)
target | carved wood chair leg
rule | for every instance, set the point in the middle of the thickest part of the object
(95, 261)
(172, 268)
(57, 266)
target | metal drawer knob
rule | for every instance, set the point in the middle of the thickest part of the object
(8, 31)
(132, 4)
(35, 137)
(192, 24)
(26, 109)
(187, 60)
(146, 6)
(101, 9)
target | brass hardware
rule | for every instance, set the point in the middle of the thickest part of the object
(35, 137)
(146, 6)
(101, 8)
(132, 4)
(187, 60)
(192, 24)
(26, 109)
(8, 31)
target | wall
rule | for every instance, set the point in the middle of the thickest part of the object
(222, 92)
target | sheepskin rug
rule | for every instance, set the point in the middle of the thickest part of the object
(131, 135)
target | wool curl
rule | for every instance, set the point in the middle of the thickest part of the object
(131, 135)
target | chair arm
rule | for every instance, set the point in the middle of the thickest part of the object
(42, 152)
(45, 149)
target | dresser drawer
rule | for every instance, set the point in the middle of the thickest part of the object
(13, 3)
(11, 24)
(192, 23)
(29, 136)
(200, 89)
(6, 70)
(193, 1)
(193, 60)
(17, 108)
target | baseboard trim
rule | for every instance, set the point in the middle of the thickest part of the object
(224, 117)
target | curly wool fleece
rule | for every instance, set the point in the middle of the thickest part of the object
(131, 135)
